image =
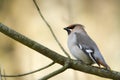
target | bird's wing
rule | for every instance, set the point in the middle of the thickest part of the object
(87, 45)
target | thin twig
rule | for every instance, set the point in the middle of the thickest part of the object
(0, 74)
(4, 74)
(56, 72)
(20, 75)
(38, 9)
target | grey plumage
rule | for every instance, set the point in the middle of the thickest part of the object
(83, 47)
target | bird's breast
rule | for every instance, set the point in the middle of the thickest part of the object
(76, 51)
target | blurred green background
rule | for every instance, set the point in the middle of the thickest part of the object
(101, 18)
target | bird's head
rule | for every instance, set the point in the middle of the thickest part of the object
(70, 28)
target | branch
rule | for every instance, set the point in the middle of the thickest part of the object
(20, 75)
(38, 9)
(56, 72)
(76, 65)
(0, 74)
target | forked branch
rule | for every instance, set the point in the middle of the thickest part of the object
(56, 57)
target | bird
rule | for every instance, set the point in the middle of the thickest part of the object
(82, 47)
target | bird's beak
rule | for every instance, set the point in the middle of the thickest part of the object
(66, 28)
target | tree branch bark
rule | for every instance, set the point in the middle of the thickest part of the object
(56, 72)
(73, 64)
